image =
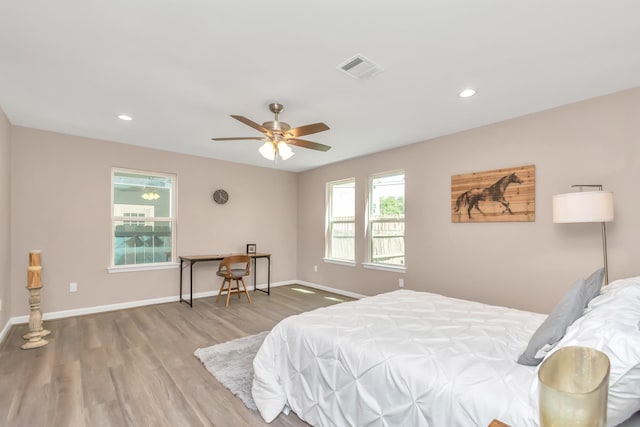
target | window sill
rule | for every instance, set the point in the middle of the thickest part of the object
(142, 267)
(385, 267)
(339, 262)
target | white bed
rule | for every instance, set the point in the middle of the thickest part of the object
(403, 358)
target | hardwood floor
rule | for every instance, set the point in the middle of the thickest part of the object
(136, 367)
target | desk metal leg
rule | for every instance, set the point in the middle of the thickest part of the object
(191, 283)
(190, 302)
(255, 288)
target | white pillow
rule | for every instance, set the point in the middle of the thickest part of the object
(611, 324)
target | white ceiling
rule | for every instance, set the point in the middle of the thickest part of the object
(180, 68)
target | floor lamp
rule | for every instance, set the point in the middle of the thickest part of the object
(586, 206)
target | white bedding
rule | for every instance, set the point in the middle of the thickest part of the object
(403, 358)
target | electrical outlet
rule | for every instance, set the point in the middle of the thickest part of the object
(73, 287)
(315, 268)
(401, 283)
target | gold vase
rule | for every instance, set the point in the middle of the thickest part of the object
(574, 385)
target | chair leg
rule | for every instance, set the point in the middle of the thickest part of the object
(221, 289)
(244, 285)
(231, 290)
(228, 295)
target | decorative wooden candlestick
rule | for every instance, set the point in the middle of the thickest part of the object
(34, 284)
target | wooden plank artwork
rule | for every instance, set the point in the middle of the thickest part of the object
(501, 195)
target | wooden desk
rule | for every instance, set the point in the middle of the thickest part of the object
(192, 259)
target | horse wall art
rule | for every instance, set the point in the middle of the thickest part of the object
(494, 196)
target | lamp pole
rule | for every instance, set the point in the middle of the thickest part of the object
(604, 232)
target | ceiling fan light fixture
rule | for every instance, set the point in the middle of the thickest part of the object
(268, 150)
(285, 150)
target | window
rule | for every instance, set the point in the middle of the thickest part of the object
(386, 219)
(142, 218)
(341, 217)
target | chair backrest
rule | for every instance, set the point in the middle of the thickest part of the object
(240, 261)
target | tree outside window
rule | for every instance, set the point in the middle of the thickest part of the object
(386, 219)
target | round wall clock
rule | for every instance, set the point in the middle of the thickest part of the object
(220, 197)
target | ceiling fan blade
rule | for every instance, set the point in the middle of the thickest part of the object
(307, 129)
(239, 138)
(253, 124)
(308, 144)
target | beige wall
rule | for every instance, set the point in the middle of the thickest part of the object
(523, 265)
(60, 204)
(59, 186)
(5, 208)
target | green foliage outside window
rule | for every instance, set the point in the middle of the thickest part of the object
(391, 206)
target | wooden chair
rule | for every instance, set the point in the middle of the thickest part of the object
(234, 268)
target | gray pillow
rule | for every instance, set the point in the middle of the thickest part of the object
(593, 284)
(570, 307)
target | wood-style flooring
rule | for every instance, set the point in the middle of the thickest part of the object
(136, 367)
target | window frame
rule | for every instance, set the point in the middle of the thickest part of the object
(329, 222)
(172, 220)
(370, 263)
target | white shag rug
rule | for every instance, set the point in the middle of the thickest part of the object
(231, 363)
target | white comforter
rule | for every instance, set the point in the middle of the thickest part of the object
(403, 358)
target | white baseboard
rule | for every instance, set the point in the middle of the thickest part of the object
(316, 286)
(96, 309)
(329, 289)
(121, 306)
(132, 304)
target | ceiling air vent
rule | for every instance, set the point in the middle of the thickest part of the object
(360, 67)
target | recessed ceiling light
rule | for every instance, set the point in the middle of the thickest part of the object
(125, 117)
(467, 93)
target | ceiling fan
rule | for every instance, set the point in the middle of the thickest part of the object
(279, 135)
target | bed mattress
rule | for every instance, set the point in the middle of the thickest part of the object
(403, 358)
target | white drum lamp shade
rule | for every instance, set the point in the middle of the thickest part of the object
(583, 206)
(586, 206)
